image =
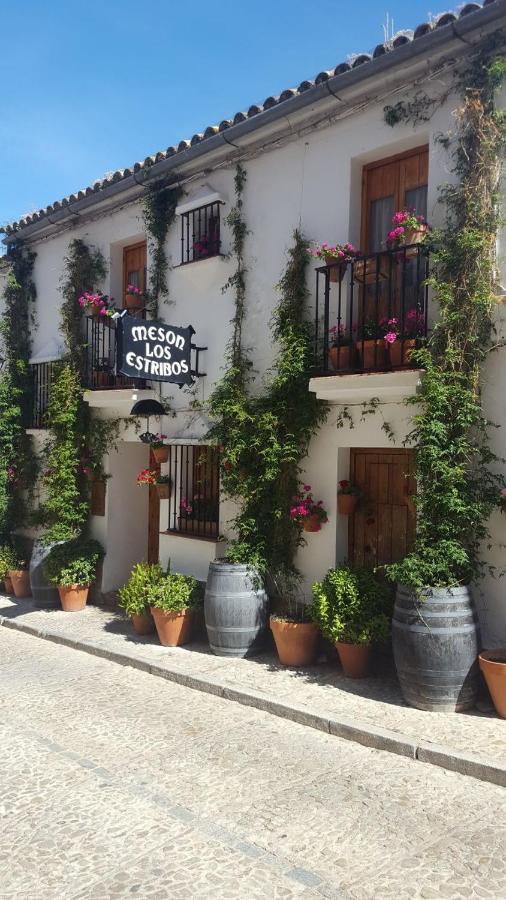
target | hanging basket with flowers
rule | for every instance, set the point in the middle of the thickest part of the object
(159, 450)
(306, 512)
(146, 476)
(348, 496)
(134, 298)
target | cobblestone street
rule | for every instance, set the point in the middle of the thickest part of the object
(118, 784)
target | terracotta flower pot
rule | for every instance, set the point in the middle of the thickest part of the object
(295, 641)
(341, 358)
(174, 628)
(161, 454)
(143, 623)
(73, 598)
(354, 658)
(134, 301)
(336, 272)
(312, 523)
(163, 491)
(415, 235)
(400, 352)
(372, 353)
(8, 585)
(493, 666)
(20, 579)
(347, 503)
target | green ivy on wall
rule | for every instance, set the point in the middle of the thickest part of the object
(159, 210)
(456, 469)
(18, 462)
(264, 437)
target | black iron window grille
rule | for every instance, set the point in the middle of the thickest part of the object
(200, 233)
(371, 313)
(194, 502)
(43, 375)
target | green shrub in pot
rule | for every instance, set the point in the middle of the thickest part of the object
(175, 593)
(73, 563)
(134, 597)
(8, 560)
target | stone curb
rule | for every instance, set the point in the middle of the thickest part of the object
(365, 733)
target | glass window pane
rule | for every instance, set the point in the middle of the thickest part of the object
(380, 222)
(416, 199)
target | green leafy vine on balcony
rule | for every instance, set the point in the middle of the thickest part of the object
(264, 436)
(19, 465)
(457, 481)
(159, 210)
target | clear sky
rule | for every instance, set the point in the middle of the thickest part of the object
(89, 86)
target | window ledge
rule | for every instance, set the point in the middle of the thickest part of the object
(389, 387)
(194, 537)
(203, 259)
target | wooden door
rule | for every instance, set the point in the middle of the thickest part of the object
(382, 530)
(153, 515)
(134, 267)
(388, 186)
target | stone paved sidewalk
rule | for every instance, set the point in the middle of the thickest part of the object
(370, 711)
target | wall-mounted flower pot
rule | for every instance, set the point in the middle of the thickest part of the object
(163, 491)
(173, 628)
(134, 301)
(312, 523)
(355, 659)
(20, 579)
(295, 641)
(372, 353)
(341, 358)
(336, 272)
(414, 236)
(347, 503)
(143, 623)
(8, 585)
(493, 666)
(73, 598)
(161, 454)
(400, 352)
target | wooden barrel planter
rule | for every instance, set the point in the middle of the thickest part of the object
(235, 610)
(45, 595)
(436, 643)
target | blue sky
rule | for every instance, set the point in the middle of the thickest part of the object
(90, 86)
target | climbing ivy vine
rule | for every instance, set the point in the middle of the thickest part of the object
(457, 481)
(265, 436)
(18, 462)
(159, 210)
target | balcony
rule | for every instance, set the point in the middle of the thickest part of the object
(371, 314)
(100, 357)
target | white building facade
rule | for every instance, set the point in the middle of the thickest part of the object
(321, 158)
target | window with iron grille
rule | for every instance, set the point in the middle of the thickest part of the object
(200, 233)
(43, 375)
(194, 502)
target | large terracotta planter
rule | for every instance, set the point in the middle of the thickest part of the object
(336, 272)
(174, 628)
(400, 352)
(73, 598)
(354, 658)
(8, 585)
(161, 454)
(493, 666)
(20, 582)
(372, 353)
(347, 503)
(341, 358)
(163, 491)
(295, 641)
(134, 301)
(143, 623)
(312, 523)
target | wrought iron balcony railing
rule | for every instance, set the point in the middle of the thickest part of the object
(371, 313)
(100, 357)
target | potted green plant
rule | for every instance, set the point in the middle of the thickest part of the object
(308, 512)
(493, 667)
(348, 496)
(173, 601)
(351, 606)
(341, 349)
(336, 257)
(8, 561)
(19, 575)
(134, 599)
(159, 449)
(370, 344)
(402, 343)
(409, 229)
(294, 632)
(72, 567)
(163, 485)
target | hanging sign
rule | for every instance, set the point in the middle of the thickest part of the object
(153, 350)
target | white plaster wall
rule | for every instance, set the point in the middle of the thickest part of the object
(313, 182)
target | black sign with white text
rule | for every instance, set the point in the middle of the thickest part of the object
(154, 351)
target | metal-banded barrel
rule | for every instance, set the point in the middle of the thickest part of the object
(436, 641)
(235, 608)
(45, 596)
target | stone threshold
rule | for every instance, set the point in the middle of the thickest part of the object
(369, 734)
